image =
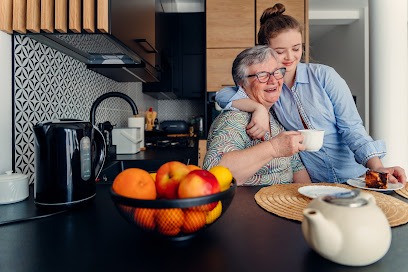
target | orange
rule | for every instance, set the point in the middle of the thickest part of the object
(214, 214)
(135, 183)
(169, 221)
(223, 175)
(144, 217)
(193, 221)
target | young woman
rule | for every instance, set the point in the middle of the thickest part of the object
(313, 96)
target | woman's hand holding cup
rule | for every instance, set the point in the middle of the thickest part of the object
(313, 139)
(287, 143)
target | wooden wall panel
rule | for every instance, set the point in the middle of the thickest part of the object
(34, 15)
(61, 16)
(47, 15)
(103, 16)
(75, 10)
(6, 16)
(88, 15)
(19, 16)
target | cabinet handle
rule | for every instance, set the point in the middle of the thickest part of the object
(139, 41)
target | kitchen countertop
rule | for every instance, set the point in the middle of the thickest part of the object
(97, 238)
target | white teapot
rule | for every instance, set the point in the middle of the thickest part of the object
(347, 228)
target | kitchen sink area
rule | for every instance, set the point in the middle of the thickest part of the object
(172, 142)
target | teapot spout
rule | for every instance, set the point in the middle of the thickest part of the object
(321, 234)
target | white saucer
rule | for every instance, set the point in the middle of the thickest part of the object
(314, 191)
(360, 183)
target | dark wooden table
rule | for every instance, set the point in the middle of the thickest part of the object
(96, 238)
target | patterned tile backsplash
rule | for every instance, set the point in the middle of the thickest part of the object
(51, 85)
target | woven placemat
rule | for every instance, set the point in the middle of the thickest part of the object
(403, 192)
(284, 200)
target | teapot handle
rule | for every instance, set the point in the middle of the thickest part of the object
(100, 151)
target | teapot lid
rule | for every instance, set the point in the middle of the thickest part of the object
(347, 199)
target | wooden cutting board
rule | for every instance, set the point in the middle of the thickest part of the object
(47, 15)
(61, 16)
(6, 16)
(34, 15)
(75, 10)
(19, 16)
(88, 15)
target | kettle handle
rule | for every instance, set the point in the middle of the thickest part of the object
(100, 151)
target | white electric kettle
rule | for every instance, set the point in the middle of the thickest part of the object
(347, 228)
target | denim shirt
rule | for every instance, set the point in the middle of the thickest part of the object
(325, 102)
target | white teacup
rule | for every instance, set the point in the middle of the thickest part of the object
(313, 139)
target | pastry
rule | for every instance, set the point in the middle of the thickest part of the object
(374, 179)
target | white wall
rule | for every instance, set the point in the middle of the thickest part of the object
(343, 49)
(5, 103)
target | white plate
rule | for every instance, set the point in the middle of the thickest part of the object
(360, 183)
(314, 191)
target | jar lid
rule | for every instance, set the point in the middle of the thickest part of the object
(348, 199)
(10, 176)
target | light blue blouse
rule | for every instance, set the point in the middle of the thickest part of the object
(325, 102)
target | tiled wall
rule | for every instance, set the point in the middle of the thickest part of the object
(50, 85)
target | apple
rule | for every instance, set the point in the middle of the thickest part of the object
(199, 183)
(168, 177)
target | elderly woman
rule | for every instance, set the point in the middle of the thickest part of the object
(272, 160)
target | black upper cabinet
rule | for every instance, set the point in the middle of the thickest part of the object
(182, 40)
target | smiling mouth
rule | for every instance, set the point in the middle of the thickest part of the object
(270, 90)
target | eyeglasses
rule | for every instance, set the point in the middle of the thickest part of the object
(263, 76)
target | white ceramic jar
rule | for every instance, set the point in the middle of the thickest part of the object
(13, 187)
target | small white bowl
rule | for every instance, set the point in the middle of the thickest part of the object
(13, 187)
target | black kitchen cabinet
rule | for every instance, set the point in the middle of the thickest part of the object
(182, 36)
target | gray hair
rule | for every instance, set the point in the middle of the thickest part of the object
(249, 57)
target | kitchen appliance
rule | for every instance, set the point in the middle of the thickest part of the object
(174, 126)
(112, 48)
(13, 187)
(69, 154)
(138, 122)
(127, 140)
(347, 228)
(162, 140)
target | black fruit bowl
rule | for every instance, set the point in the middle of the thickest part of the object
(175, 219)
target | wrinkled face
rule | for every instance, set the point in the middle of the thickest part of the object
(265, 93)
(288, 46)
